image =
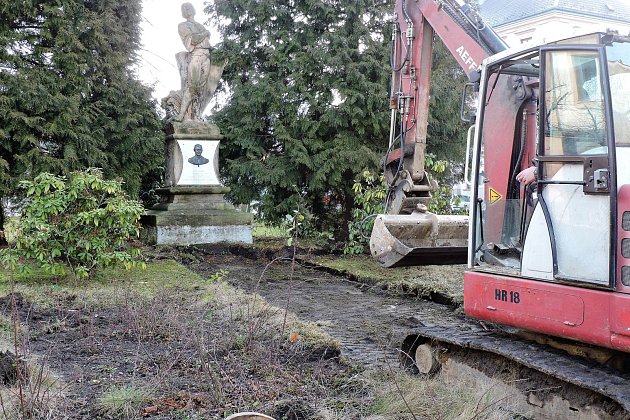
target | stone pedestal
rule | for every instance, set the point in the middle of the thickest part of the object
(192, 209)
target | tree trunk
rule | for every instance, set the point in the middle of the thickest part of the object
(348, 205)
(3, 239)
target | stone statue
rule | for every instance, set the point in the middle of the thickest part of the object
(198, 159)
(199, 76)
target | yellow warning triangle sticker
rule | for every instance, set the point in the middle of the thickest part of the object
(494, 196)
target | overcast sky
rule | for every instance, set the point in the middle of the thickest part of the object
(161, 42)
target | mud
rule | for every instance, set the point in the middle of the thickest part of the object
(370, 324)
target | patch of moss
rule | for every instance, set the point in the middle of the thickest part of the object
(47, 290)
(447, 281)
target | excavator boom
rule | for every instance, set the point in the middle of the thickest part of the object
(408, 234)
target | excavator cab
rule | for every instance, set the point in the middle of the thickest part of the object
(553, 257)
(560, 228)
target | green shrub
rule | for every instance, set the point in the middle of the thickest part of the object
(439, 170)
(81, 223)
(369, 198)
(370, 192)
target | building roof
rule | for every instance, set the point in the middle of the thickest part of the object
(500, 12)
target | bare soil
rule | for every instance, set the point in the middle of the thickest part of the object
(193, 359)
(369, 322)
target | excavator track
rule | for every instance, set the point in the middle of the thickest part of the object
(491, 348)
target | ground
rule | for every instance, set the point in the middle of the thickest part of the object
(170, 344)
(205, 332)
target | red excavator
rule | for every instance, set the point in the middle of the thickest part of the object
(551, 257)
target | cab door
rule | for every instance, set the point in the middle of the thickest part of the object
(569, 234)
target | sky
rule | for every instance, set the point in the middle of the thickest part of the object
(161, 42)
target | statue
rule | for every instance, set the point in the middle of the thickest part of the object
(199, 76)
(192, 208)
(198, 159)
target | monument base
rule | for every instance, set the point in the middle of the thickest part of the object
(188, 215)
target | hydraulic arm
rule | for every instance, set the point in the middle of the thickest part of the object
(407, 234)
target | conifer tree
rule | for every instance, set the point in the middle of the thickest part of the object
(308, 111)
(446, 133)
(69, 98)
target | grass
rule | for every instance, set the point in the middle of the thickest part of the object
(261, 230)
(41, 389)
(446, 280)
(122, 402)
(445, 396)
(46, 290)
(275, 238)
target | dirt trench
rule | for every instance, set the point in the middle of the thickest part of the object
(369, 323)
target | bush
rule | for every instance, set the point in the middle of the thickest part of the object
(369, 198)
(439, 170)
(81, 223)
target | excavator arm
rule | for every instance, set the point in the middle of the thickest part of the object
(407, 234)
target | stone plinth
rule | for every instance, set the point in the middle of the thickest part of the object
(192, 209)
(182, 165)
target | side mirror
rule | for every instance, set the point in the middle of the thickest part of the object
(468, 110)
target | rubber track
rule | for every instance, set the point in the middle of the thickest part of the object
(555, 363)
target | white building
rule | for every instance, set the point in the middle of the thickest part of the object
(539, 21)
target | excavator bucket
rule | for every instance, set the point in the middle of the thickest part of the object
(419, 238)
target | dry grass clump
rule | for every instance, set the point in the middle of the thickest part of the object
(36, 393)
(122, 402)
(448, 395)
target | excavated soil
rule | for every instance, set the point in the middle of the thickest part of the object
(371, 324)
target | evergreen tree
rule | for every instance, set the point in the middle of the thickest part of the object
(446, 133)
(69, 98)
(308, 112)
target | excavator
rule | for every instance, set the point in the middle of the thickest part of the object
(550, 259)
